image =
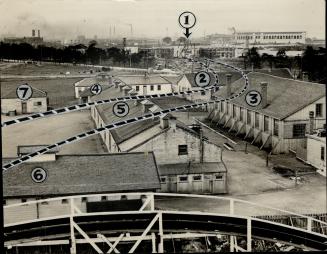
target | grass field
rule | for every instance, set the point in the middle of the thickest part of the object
(60, 91)
(43, 69)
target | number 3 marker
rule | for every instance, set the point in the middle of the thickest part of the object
(253, 98)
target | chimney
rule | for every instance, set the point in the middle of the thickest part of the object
(116, 83)
(311, 122)
(126, 89)
(164, 121)
(121, 85)
(146, 75)
(172, 123)
(201, 146)
(110, 80)
(229, 84)
(146, 106)
(33, 33)
(38, 33)
(264, 94)
(305, 76)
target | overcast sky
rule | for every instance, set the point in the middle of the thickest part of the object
(158, 18)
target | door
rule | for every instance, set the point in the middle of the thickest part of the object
(144, 90)
(24, 108)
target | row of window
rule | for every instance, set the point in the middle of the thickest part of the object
(137, 88)
(185, 178)
(278, 37)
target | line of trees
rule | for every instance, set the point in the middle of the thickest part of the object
(311, 61)
(80, 53)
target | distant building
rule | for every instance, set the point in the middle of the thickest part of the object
(281, 121)
(34, 40)
(146, 84)
(76, 174)
(10, 103)
(316, 152)
(270, 37)
(217, 52)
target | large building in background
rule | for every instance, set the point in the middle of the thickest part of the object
(270, 37)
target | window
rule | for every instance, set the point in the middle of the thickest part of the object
(4, 202)
(137, 88)
(299, 130)
(182, 179)
(219, 177)
(318, 110)
(203, 92)
(182, 150)
(151, 87)
(256, 120)
(24, 200)
(276, 127)
(37, 103)
(248, 117)
(103, 198)
(266, 123)
(123, 197)
(163, 179)
(64, 201)
(84, 199)
(197, 178)
(222, 106)
(322, 153)
(159, 87)
(44, 203)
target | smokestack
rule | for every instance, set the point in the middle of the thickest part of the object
(33, 33)
(126, 89)
(229, 85)
(311, 122)
(38, 33)
(264, 94)
(305, 76)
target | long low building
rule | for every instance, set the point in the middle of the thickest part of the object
(281, 121)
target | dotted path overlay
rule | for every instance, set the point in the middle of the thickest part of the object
(118, 124)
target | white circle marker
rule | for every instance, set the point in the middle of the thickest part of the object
(187, 19)
(24, 92)
(39, 175)
(96, 89)
(253, 98)
(120, 109)
(202, 79)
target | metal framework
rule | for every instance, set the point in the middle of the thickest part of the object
(157, 230)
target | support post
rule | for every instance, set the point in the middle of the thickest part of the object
(160, 245)
(249, 235)
(231, 243)
(154, 248)
(71, 223)
(309, 224)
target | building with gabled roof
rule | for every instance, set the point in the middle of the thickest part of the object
(281, 121)
(10, 103)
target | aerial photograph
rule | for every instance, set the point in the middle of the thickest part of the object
(163, 126)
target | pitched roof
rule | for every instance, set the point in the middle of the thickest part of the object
(192, 168)
(285, 96)
(27, 149)
(80, 174)
(280, 72)
(142, 80)
(37, 93)
(87, 92)
(87, 82)
(221, 77)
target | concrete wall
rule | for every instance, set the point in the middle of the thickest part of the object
(212, 183)
(16, 104)
(146, 89)
(165, 148)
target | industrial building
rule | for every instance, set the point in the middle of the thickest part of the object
(281, 121)
(33, 40)
(270, 37)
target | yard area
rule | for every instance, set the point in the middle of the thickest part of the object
(50, 130)
(60, 91)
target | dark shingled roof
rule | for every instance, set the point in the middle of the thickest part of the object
(285, 96)
(11, 94)
(193, 168)
(81, 174)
